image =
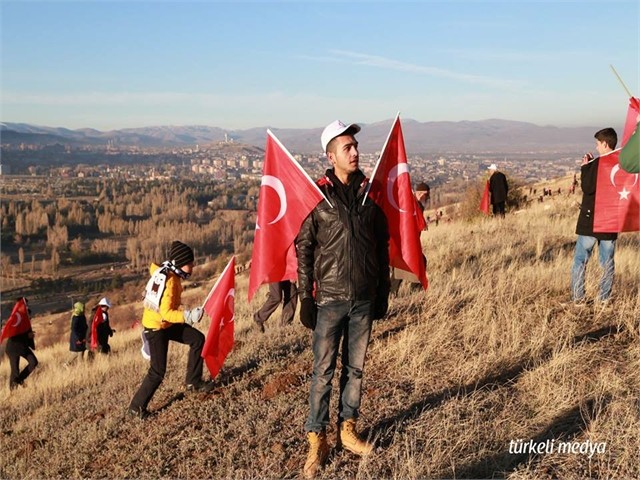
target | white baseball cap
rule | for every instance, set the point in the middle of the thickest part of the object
(335, 129)
(105, 302)
(493, 166)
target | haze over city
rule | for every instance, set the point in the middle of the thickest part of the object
(301, 64)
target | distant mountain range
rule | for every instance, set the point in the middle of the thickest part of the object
(420, 137)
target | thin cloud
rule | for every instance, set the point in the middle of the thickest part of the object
(391, 64)
(516, 56)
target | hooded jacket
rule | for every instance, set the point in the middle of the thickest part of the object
(77, 340)
(343, 250)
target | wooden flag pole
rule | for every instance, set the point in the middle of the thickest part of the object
(621, 82)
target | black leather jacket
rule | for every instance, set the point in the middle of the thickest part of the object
(343, 251)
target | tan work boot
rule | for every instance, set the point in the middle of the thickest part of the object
(349, 439)
(318, 453)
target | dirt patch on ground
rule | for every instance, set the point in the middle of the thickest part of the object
(281, 383)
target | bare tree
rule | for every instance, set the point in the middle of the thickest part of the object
(21, 257)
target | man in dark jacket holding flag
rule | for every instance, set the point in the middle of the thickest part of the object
(606, 140)
(499, 188)
(343, 277)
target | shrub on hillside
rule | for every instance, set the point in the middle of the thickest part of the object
(470, 205)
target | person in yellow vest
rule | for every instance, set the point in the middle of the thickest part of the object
(164, 319)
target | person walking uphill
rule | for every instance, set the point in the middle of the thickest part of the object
(284, 292)
(498, 187)
(343, 253)
(20, 343)
(77, 340)
(606, 140)
(165, 320)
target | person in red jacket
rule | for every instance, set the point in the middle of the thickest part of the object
(20, 343)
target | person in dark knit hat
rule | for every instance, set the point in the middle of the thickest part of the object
(163, 320)
(181, 254)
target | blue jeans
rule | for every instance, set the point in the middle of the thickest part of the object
(351, 323)
(584, 247)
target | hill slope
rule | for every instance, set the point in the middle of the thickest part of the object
(486, 357)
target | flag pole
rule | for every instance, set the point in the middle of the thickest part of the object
(384, 147)
(217, 281)
(295, 162)
(621, 82)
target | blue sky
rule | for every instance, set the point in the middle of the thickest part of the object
(118, 64)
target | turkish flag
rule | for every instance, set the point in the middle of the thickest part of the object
(484, 202)
(98, 318)
(287, 197)
(390, 188)
(617, 206)
(18, 322)
(633, 117)
(219, 305)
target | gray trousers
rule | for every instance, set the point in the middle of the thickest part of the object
(285, 292)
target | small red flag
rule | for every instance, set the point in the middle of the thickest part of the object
(617, 204)
(484, 202)
(390, 188)
(220, 306)
(282, 207)
(98, 318)
(633, 117)
(18, 322)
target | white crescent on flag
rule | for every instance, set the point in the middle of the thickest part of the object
(278, 187)
(18, 319)
(394, 173)
(612, 176)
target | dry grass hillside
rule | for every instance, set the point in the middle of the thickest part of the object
(487, 356)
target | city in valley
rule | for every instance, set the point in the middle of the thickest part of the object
(77, 221)
(446, 172)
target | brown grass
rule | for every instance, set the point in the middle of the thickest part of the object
(487, 355)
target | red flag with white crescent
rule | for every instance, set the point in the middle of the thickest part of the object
(220, 306)
(617, 204)
(287, 197)
(390, 188)
(18, 322)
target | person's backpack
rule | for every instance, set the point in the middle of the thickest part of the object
(155, 288)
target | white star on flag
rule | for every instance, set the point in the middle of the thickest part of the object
(624, 194)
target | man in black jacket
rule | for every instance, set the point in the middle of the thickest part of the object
(343, 257)
(498, 187)
(606, 140)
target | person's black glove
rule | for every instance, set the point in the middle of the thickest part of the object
(308, 313)
(380, 308)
